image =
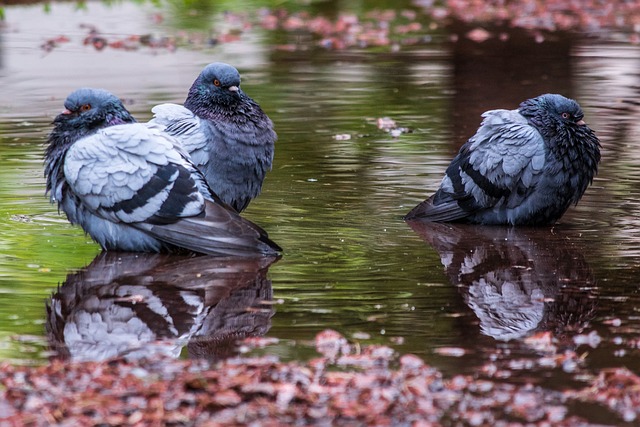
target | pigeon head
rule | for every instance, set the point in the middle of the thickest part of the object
(560, 122)
(217, 86)
(555, 116)
(562, 109)
(87, 110)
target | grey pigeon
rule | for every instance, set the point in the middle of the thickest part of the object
(131, 187)
(522, 167)
(230, 139)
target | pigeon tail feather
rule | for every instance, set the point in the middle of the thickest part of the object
(217, 232)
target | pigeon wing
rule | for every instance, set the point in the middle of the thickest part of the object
(498, 167)
(130, 173)
(181, 123)
(219, 231)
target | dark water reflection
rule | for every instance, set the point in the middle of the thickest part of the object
(517, 281)
(140, 305)
(334, 204)
(503, 72)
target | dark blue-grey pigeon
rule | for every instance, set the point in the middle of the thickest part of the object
(131, 186)
(230, 139)
(522, 167)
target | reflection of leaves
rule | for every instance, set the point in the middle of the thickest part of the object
(192, 14)
(81, 6)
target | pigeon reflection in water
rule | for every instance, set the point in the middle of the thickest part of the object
(140, 305)
(516, 280)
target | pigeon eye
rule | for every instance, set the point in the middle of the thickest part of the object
(85, 107)
(566, 116)
(216, 82)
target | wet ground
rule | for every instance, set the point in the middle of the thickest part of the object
(458, 297)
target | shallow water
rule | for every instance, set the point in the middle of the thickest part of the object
(334, 204)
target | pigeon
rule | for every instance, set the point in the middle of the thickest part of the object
(230, 139)
(522, 167)
(133, 188)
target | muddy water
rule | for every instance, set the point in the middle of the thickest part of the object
(459, 297)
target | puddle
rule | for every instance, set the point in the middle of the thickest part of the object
(458, 297)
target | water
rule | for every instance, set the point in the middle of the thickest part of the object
(335, 199)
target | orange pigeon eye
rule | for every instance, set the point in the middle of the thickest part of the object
(216, 82)
(85, 107)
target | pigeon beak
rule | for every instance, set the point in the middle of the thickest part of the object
(580, 123)
(65, 112)
(233, 88)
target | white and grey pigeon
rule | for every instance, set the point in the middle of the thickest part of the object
(133, 188)
(522, 167)
(230, 139)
